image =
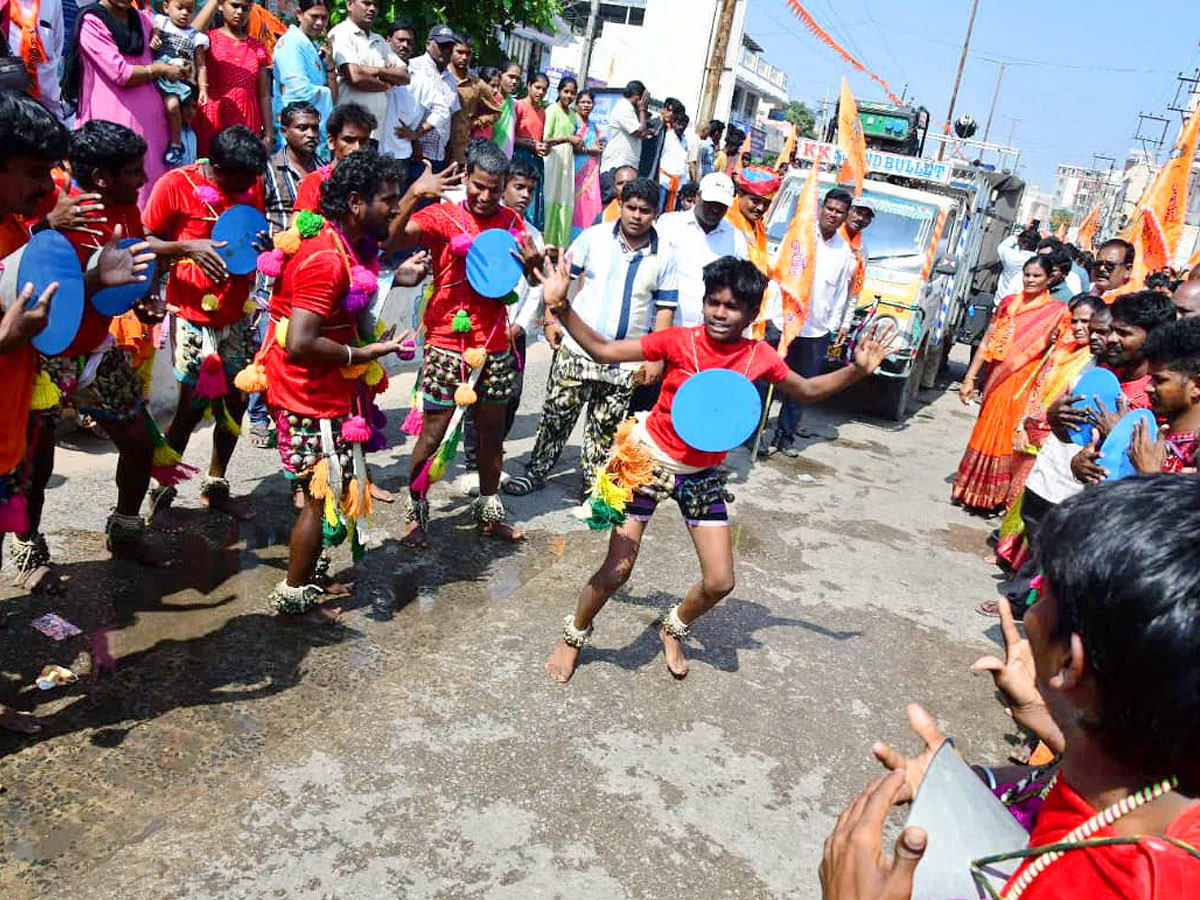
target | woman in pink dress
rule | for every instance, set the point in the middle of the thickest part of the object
(239, 80)
(108, 74)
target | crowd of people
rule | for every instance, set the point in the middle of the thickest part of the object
(379, 170)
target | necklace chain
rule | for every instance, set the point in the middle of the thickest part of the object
(1102, 819)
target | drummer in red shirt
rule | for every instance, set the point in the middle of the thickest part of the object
(460, 323)
(650, 460)
(213, 319)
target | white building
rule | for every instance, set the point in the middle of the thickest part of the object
(666, 44)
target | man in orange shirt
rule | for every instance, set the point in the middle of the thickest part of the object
(862, 214)
(621, 177)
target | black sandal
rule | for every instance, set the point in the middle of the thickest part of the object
(521, 486)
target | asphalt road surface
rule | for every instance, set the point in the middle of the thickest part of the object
(421, 750)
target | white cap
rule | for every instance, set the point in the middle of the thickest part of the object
(864, 202)
(717, 187)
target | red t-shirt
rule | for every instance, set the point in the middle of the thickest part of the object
(93, 329)
(681, 348)
(531, 120)
(1151, 869)
(316, 279)
(308, 191)
(441, 223)
(17, 368)
(175, 213)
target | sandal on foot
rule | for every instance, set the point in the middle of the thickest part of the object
(521, 486)
(260, 437)
(31, 560)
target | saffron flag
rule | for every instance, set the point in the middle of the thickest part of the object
(796, 262)
(789, 148)
(1087, 230)
(1167, 195)
(822, 35)
(1145, 232)
(851, 142)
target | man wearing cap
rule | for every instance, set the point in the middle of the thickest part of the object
(437, 89)
(367, 68)
(756, 188)
(862, 214)
(699, 236)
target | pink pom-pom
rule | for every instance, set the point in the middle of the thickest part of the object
(363, 279)
(460, 244)
(355, 430)
(169, 476)
(519, 233)
(356, 301)
(377, 441)
(206, 193)
(210, 382)
(414, 421)
(420, 484)
(270, 263)
(407, 351)
(14, 516)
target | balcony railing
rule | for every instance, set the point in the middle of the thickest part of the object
(756, 64)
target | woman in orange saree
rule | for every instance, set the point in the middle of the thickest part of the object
(1018, 344)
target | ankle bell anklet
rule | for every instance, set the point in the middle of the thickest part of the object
(673, 625)
(574, 637)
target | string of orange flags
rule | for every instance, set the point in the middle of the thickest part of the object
(821, 34)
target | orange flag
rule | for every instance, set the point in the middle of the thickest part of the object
(1087, 231)
(1167, 195)
(743, 153)
(1150, 247)
(789, 148)
(851, 142)
(796, 262)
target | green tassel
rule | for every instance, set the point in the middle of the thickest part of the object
(308, 223)
(228, 424)
(357, 550)
(446, 453)
(165, 455)
(332, 535)
(604, 517)
(461, 322)
(510, 298)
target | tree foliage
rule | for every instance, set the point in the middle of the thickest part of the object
(479, 19)
(799, 114)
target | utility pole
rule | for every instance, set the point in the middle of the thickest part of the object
(585, 58)
(987, 129)
(716, 59)
(962, 62)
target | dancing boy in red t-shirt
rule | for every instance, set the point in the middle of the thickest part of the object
(212, 318)
(651, 461)
(464, 331)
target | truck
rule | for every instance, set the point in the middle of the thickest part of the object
(931, 257)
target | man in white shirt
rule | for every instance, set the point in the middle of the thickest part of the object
(45, 19)
(436, 91)
(697, 237)
(626, 127)
(829, 309)
(404, 112)
(1014, 251)
(672, 163)
(366, 65)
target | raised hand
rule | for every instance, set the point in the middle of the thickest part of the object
(123, 265)
(555, 279)
(874, 347)
(853, 866)
(432, 185)
(1147, 454)
(528, 255)
(21, 322)
(913, 768)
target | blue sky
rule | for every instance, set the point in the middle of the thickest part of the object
(1090, 65)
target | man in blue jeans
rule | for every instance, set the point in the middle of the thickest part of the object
(829, 311)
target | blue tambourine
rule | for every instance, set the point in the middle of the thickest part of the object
(492, 270)
(716, 410)
(51, 257)
(1095, 386)
(239, 226)
(116, 301)
(1114, 453)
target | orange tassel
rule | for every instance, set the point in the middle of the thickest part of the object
(352, 505)
(318, 482)
(252, 379)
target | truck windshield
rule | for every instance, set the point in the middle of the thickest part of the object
(898, 238)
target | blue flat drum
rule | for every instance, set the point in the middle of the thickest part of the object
(50, 257)
(116, 301)
(492, 270)
(239, 226)
(716, 410)
(1095, 387)
(1114, 452)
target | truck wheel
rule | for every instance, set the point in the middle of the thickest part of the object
(931, 366)
(900, 395)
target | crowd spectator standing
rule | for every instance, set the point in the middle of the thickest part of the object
(627, 126)
(239, 80)
(366, 65)
(436, 90)
(530, 141)
(405, 111)
(302, 69)
(478, 105)
(36, 33)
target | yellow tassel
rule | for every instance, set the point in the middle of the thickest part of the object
(318, 481)
(230, 426)
(281, 330)
(610, 491)
(46, 394)
(208, 411)
(352, 505)
(353, 372)
(475, 357)
(166, 456)
(380, 327)
(374, 373)
(331, 511)
(250, 307)
(287, 240)
(209, 302)
(252, 379)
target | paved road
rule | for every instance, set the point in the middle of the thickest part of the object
(421, 751)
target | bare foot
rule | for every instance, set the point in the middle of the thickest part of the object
(677, 663)
(562, 662)
(323, 615)
(414, 537)
(337, 589)
(504, 531)
(20, 722)
(378, 493)
(44, 581)
(238, 509)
